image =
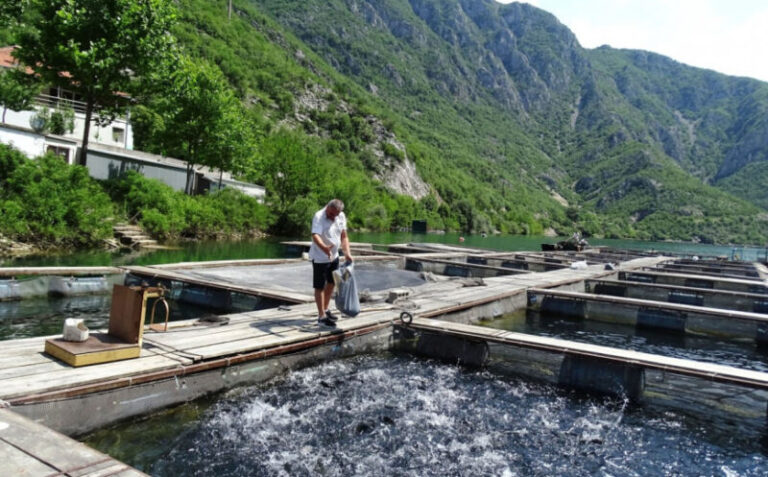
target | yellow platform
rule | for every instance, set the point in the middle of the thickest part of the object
(98, 348)
(126, 329)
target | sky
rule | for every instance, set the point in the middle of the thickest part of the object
(728, 36)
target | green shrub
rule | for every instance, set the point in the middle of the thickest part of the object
(155, 222)
(47, 200)
(393, 152)
(62, 121)
(12, 221)
(297, 217)
(167, 213)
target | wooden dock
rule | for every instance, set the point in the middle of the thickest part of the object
(28, 448)
(707, 297)
(193, 358)
(30, 377)
(685, 367)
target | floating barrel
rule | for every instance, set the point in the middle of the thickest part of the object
(610, 289)
(514, 264)
(685, 298)
(74, 286)
(760, 306)
(207, 297)
(132, 280)
(456, 271)
(453, 349)
(563, 307)
(761, 337)
(758, 289)
(10, 290)
(663, 319)
(413, 265)
(636, 277)
(601, 376)
(699, 283)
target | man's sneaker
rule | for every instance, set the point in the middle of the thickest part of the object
(325, 322)
(331, 316)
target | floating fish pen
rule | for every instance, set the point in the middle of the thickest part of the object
(21, 283)
(419, 299)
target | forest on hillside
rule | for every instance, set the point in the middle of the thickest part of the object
(381, 105)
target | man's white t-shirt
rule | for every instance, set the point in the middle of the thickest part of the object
(330, 232)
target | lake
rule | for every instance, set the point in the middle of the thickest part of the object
(271, 248)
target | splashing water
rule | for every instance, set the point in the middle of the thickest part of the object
(385, 415)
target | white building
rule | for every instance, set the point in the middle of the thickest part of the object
(110, 149)
(18, 129)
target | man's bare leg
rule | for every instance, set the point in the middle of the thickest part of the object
(320, 302)
(327, 293)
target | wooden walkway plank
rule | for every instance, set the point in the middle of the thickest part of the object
(696, 276)
(71, 377)
(14, 461)
(716, 372)
(665, 286)
(723, 312)
(311, 330)
(33, 449)
(26, 359)
(186, 341)
(44, 367)
(250, 344)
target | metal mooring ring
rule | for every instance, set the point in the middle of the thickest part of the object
(406, 318)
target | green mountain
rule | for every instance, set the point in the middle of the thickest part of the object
(484, 117)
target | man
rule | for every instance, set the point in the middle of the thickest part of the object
(329, 232)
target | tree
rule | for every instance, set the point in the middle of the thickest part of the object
(10, 11)
(16, 95)
(196, 117)
(95, 48)
(292, 169)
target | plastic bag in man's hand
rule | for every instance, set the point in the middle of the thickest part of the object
(347, 300)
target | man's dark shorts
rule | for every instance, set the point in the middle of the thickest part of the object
(322, 273)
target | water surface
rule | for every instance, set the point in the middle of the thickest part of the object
(397, 415)
(271, 248)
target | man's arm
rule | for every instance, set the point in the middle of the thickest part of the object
(325, 248)
(345, 246)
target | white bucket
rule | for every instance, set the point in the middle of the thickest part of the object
(75, 330)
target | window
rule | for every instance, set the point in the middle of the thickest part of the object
(62, 152)
(118, 135)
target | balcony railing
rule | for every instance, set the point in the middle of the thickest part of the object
(58, 102)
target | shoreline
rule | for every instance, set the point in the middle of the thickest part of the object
(12, 249)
